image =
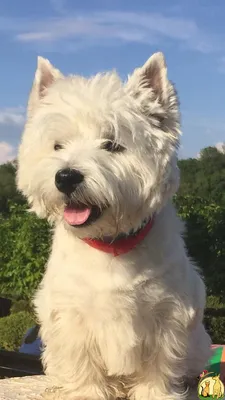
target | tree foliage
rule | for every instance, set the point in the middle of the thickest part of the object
(201, 204)
(24, 247)
(204, 177)
(205, 238)
(8, 190)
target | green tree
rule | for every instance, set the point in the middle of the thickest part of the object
(8, 190)
(204, 177)
(205, 238)
(24, 248)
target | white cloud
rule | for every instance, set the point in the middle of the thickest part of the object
(130, 27)
(12, 116)
(220, 147)
(7, 152)
(117, 26)
(11, 125)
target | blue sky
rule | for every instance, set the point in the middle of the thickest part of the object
(86, 36)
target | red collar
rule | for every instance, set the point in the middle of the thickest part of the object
(123, 245)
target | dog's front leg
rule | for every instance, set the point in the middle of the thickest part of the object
(72, 358)
(164, 364)
(119, 344)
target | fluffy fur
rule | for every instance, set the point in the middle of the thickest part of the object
(113, 326)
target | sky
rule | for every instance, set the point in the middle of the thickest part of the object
(88, 36)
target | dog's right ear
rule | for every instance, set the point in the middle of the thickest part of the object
(45, 76)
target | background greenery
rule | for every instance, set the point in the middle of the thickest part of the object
(25, 241)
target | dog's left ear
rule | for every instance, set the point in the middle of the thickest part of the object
(153, 77)
(45, 76)
(156, 95)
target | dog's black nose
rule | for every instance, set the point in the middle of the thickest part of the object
(66, 180)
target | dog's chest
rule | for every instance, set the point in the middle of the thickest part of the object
(98, 298)
(100, 312)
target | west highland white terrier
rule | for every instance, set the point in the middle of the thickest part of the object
(120, 304)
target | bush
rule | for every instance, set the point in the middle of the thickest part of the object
(13, 329)
(216, 329)
(214, 302)
(215, 324)
(21, 305)
(24, 249)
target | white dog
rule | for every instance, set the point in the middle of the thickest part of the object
(120, 304)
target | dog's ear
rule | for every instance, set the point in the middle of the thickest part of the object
(45, 75)
(153, 77)
(155, 94)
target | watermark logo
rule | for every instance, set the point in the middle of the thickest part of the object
(210, 386)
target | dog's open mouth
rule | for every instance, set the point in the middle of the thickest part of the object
(81, 215)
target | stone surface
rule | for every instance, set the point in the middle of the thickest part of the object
(28, 388)
(41, 388)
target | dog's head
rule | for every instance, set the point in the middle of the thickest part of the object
(97, 154)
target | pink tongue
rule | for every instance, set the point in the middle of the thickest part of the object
(76, 216)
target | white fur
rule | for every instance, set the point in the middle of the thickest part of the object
(113, 326)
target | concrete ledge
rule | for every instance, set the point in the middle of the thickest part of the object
(40, 387)
(27, 388)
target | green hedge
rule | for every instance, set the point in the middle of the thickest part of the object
(216, 328)
(21, 305)
(215, 325)
(13, 329)
(215, 302)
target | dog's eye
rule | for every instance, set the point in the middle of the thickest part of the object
(57, 147)
(113, 147)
